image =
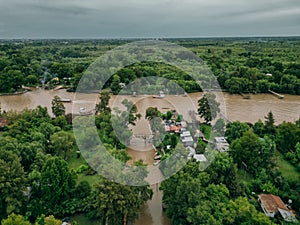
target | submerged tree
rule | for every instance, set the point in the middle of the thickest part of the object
(58, 108)
(103, 107)
(208, 107)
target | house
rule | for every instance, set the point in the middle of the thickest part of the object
(200, 158)
(185, 134)
(192, 151)
(221, 144)
(273, 205)
(169, 127)
(188, 141)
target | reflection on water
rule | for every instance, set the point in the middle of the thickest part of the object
(237, 108)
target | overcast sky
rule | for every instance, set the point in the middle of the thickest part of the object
(147, 18)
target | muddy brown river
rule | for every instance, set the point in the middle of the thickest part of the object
(235, 108)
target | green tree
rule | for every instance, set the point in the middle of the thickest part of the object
(58, 108)
(270, 124)
(14, 219)
(62, 142)
(57, 185)
(12, 182)
(118, 204)
(288, 134)
(240, 211)
(235, 130)
(252, 153)
(103, 107)
(259, 128)
(131, 114)
(115, 84)
(50, 220)
(152, 112)
(208, 107)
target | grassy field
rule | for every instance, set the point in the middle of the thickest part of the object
(288, 171)
(74, 163)
(206, 129)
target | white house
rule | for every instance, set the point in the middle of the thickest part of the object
(200, 158)
(185, 134)
(221, 144)
(188, 141)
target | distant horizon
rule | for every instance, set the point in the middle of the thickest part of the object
(157, 38)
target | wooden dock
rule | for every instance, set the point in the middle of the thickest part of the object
(276, 94)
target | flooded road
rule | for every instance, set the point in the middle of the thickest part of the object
(237, 108)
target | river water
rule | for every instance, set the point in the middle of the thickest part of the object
(235, 108)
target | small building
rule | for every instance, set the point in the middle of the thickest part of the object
(200, 158)
(273, 205)
(192, 151)
(185, 134)
(221, 144)
(188, 141)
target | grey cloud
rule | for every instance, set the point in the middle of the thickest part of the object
(148, 18)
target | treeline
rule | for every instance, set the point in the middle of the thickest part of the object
(240, 66)
(226, 192)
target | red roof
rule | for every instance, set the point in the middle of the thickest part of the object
(271, 202)
(3, 122)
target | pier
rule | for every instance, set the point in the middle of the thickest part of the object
(276, 94)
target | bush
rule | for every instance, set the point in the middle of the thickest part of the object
(82, 168)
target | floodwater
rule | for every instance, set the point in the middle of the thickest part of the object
(234, 107)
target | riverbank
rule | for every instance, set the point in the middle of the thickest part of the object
(15, 93)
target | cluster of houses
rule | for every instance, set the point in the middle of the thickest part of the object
(189, 140)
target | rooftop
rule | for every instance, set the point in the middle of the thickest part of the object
(272, 203)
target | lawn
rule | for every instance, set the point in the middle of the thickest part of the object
(74, 163)
(288, 171)
(206, 130)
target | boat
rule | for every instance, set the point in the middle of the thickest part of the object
(161, 95)
(157, 157)
(66, 100)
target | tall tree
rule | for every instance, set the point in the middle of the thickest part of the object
(270, 124)
(117, 204)
(252, 153)
(62, 142)
(57, 184)
(235, 130)
(208, 107)
(12, 183)
(58, 108)
(103, 107)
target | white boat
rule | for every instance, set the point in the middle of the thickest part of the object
(161, 95)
